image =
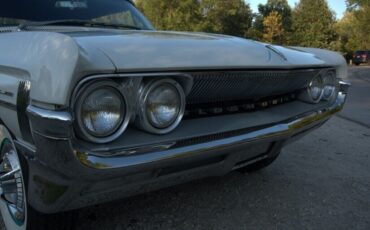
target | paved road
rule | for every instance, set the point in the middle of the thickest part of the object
(320, 182)
(358, 107)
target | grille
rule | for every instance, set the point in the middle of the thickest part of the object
(233, 107)
(212, 87)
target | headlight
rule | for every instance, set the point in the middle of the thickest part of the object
(102, 112)
(314, 92)
(330, 86)
(162, 106)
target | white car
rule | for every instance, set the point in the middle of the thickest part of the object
(96, 105)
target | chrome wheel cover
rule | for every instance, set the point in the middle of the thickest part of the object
(13, 203)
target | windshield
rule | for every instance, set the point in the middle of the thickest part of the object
(117, 12)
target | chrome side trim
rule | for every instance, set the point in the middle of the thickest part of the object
(9, 94)
(27, 149)
(60, 116)
(23, 100)
(270, 47)
(50, 124)
(8, 105)
(283, 130)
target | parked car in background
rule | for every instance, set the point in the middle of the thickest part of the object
(96, 105)
(361, 57)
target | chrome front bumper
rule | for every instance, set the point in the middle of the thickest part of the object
(275, 132)
(63, 177)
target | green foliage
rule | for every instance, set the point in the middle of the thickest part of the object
(274, 30)
(232, 17)
(281, 7)
(360, 24)
(264, 10)
(313, 24)
(181, 15)
(356, 3)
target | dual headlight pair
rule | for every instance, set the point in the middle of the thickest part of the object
(103, 111)
(323, 87)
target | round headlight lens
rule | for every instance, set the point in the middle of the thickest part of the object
(163, 105)
(316, 89)
(314, 92)
(329, 82)
(102, 111)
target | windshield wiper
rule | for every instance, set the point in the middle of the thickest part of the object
(73, 22)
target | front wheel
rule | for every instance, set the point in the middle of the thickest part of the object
(16, 213)
(13, 202)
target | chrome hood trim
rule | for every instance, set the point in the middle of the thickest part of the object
(158, 50)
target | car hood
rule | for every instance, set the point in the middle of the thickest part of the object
(158, 50)
(54, 62)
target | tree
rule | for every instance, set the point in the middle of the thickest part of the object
(347, 35)
(233, 17)
(360, 10)
(182, 15)
(264, 10)
(273, 27)
(313, 24)
(355, 3)
(281, 7)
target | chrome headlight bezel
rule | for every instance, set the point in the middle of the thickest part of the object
(307, 94)
(328, 82)
(331, 84)
(81, 97)
(143, 120)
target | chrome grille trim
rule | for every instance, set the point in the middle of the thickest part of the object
(232, 107)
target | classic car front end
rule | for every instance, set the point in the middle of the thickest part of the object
(91, 113)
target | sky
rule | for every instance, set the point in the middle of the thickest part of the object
(339, 6)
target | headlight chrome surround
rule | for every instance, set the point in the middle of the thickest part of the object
(118, 129)
(330, 85)
(314, 92)
(323, 87)
(143, 121)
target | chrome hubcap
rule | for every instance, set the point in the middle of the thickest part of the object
(11, 183)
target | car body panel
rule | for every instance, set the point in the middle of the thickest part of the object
(53, 74)
(150, 50)
(49, 61)
(54, 63)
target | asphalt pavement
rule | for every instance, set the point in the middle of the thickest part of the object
(319, 182)
(358, 106)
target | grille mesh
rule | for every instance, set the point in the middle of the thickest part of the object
(246, 85)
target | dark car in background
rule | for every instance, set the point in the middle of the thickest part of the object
(361, 56)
